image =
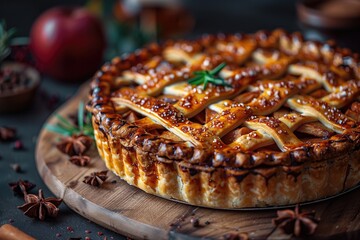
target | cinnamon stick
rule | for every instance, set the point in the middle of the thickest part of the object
(9, 232)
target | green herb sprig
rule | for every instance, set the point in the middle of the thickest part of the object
(5, 36)
(67, 128)
(209, 76)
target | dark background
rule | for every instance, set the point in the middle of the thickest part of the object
(211, 16)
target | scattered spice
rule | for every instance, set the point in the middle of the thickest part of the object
(58, 235)
(177, 224)
(16, 167)
(195, 222)
(11, 220)
(96, 178)
(207, 223)
(72, 184)
(236, 236)
(296, 223)
(87, 231)
(36, 206)
(21, 187)
(75, 145)
(70, 229)
(100, 233)
(21, 53)
(7, 133)
(51, 100)
(18, 145)
(87, 238)
(80, 160)
(113, 181)
(13, 81)
(75, 238)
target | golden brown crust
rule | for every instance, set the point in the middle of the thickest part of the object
(222, 187)
(199, 168)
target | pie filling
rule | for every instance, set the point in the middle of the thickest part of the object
(278, 102)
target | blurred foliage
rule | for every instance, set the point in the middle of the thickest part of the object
(132, 23)
(122, 36)
(5, 37)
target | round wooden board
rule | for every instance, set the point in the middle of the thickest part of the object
(134, 213)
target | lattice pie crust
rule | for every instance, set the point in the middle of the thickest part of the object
(286, 131)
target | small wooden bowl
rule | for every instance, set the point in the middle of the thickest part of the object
(19, 100)
(329, 14)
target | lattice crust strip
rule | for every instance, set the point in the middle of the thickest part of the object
(296, 78)
(279, 132)
(167, 116)
(331, 117)
(268, 130)
(343, 95)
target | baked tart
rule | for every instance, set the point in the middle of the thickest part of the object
(232, 121)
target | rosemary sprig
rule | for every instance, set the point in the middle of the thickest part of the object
(6, 36)
(67, 128)
(209, 76)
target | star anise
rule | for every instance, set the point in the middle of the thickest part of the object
(21, 187)
(296, 222)
(7, 133)
(80, 160)
(36, 206)
(96, 178)
(75, 145)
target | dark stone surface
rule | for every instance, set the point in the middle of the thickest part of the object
(28, 124)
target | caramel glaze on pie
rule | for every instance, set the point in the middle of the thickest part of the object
(287, 131)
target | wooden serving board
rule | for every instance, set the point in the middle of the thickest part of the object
(134, 213)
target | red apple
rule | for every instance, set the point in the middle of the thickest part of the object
(68, 43)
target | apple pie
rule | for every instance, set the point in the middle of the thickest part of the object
(232, 121)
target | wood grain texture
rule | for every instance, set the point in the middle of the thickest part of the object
(132, 212)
